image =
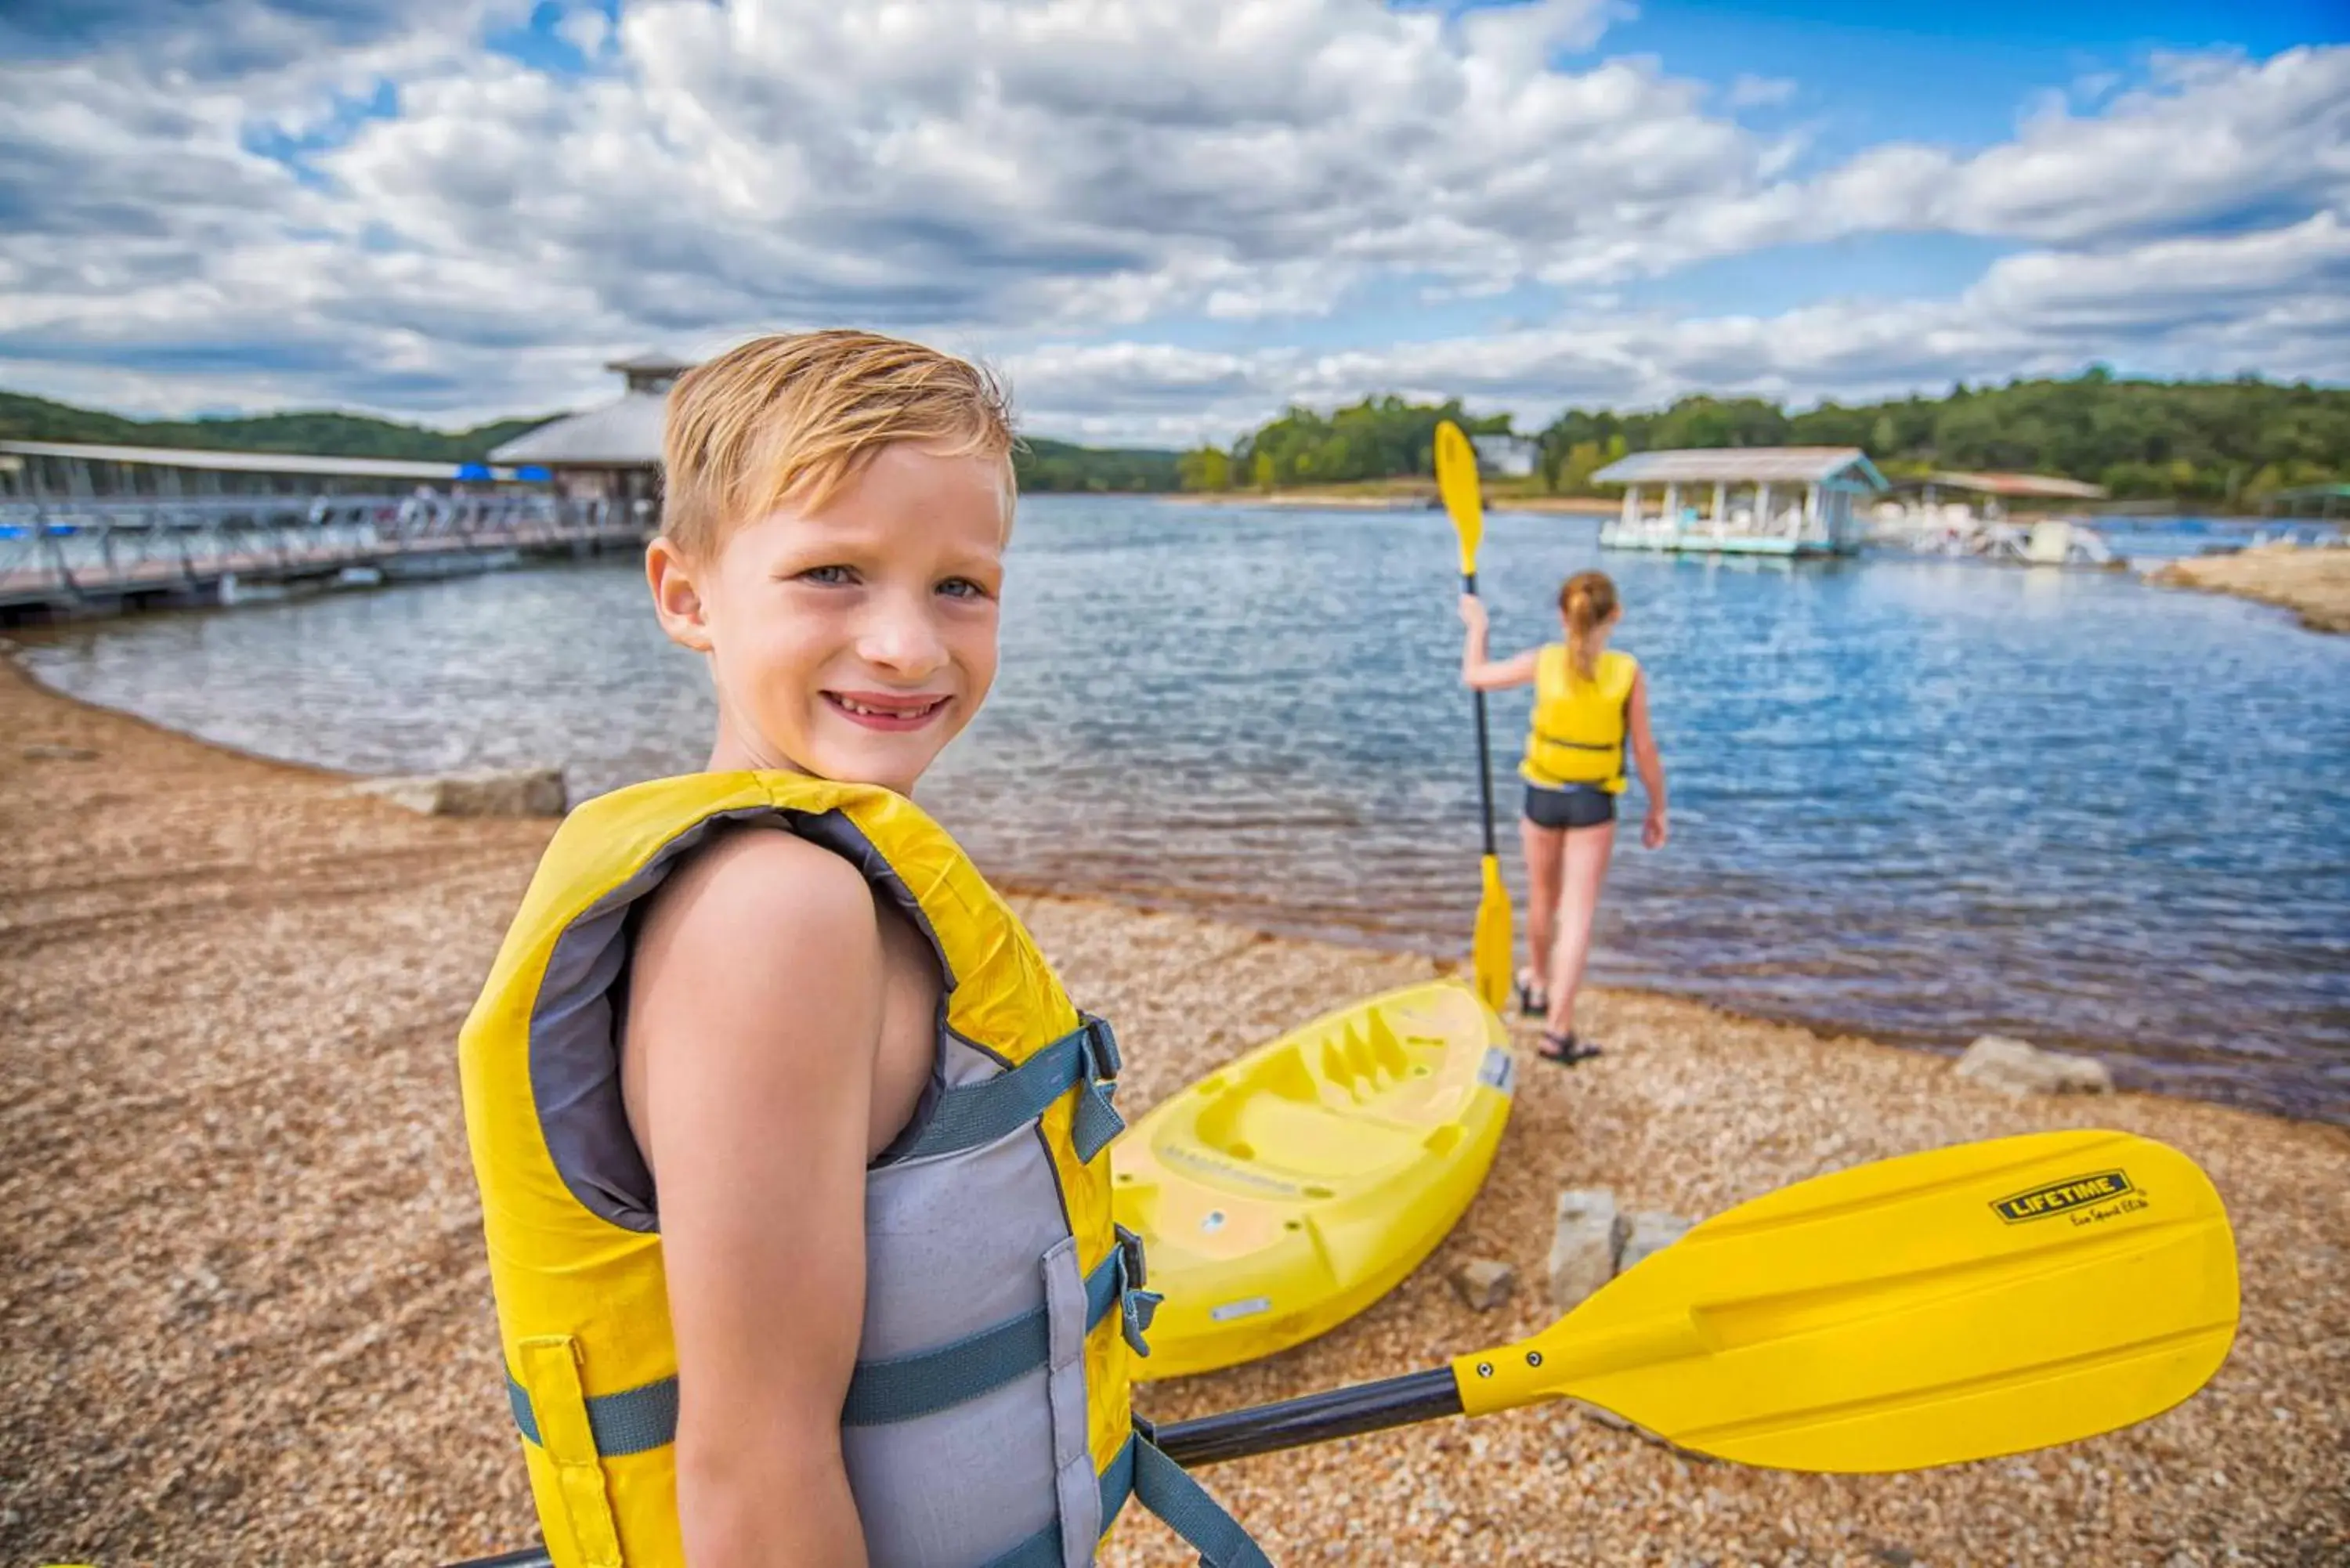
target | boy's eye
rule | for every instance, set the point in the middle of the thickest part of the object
(962, 588)
(828, 574)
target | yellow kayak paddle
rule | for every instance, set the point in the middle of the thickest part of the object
(1957, 1304)
(1490, 947)
(1961, 1304)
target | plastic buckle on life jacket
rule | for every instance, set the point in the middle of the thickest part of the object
(1096, 1120)
(1137, 1307)
(1102, 1041)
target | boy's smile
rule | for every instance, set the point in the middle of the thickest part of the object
(853, 641)
(880, 711)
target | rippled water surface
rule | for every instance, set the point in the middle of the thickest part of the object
(1921, 799)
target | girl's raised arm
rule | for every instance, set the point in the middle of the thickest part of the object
(1479, 672)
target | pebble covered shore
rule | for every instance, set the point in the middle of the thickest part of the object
(245, 1316)
(2312, 582)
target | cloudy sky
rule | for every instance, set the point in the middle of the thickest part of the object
(1164, 219)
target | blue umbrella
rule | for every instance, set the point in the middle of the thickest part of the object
(473, 470)
(538, 471)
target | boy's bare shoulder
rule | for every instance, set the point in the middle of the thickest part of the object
(762, 893)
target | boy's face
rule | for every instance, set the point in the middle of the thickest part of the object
(855, 641)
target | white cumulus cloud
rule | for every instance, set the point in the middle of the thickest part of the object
(267, 204)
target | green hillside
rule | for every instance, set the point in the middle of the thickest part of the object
(1042, 465)
(2233, 443)
(321, 434)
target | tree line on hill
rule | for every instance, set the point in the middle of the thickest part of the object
(2228, 443)
(320, 434)
(1040, 465)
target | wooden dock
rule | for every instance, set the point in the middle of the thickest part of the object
(62, 558)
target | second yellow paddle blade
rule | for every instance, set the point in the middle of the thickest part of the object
(1490, 947)
(1956, 1304)
(1456, 481)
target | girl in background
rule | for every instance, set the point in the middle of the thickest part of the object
(1589, 702)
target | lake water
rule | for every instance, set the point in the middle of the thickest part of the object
(1920, 799)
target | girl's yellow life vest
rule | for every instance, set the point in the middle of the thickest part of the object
(1580, 726)
(987, 1422)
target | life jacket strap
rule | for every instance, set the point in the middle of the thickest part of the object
(1181, 1503)
(906, 1388)
(629, 1422)
(968, 1115)
(900, 1388)
(1613, 748)
(1143, 1471)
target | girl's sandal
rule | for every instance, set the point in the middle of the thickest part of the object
(1564, 1049)
(1531, 1004)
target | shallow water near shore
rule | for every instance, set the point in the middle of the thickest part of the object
(1922, 800)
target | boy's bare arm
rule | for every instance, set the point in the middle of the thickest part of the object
(754, 1022)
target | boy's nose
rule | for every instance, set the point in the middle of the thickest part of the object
(901, 637)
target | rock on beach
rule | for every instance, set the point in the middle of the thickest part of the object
(2017, 1067)
(1586, 1235)
(482, 792)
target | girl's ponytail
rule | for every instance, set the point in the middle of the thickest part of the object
(1586, 601)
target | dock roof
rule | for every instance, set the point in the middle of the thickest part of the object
(1742, 465)
(2041, 484)
(624, 433)
(235, 462)
(654, 363)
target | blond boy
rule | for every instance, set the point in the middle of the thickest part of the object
(879, 1310)
(781, 1019)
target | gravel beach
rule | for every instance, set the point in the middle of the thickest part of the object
(245, 1314)
(2312, 581)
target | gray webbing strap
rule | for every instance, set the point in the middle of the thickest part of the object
(1143, 1471)
(1043, 1550)
(970, 1114)
(904, 1387)
(1167, 1489)
(629, 1422)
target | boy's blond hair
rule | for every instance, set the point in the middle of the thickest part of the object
(795, 416)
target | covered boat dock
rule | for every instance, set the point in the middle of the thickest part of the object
(611, 451)
(1758, 500)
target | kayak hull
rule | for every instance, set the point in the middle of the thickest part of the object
(1288, 1190)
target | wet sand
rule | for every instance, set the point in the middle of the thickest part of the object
(2312, 581)
(246, 1316)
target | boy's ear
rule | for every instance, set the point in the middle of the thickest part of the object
(677, 600)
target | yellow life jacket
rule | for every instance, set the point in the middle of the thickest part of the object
(987, 1422)
(1577, 735)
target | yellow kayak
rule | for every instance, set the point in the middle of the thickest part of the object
(1288, 1190)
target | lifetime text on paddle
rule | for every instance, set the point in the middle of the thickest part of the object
(2058, 1197)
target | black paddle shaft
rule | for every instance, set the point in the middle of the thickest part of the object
(1485, 754)
(1259, 1429)
(1316, 1419)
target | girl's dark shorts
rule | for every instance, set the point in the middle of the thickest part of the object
(1576, 806)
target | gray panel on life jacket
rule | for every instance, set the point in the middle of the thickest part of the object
(950, 1489)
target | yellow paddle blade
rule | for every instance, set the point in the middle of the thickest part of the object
(1490, 948)
(1456, 481)
(1956, 1304)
